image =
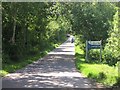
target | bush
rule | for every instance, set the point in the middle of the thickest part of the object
(109, 58)
(101, 76)
(78, 42)
(117, 82)
(94, 55)
(92, 76)
(98, 77)
(5, 58)
(33, 51)
(15, 53)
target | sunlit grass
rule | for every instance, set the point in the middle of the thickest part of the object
(100, 72)
(3, 73)
(21, 64)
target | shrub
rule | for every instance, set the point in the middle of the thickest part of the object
(109, 58)
(5, 58)
(91, 75)
(94, 55)
(101, 76)
(79, 42)
(15, 53)
(33, 51)
(117, 82)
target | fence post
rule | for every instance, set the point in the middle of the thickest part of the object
(101, 51)
(86, 50)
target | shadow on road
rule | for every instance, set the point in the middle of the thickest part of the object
(57, 69)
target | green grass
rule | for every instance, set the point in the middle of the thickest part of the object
(3, 73)
(102, 73)
(13, 66)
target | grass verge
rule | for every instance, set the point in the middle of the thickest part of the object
(102, 73)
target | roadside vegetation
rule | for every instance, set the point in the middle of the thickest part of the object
(102, 73)
(98, 22)
(30, 30)
(13, 66)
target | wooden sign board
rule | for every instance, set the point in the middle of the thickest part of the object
(93, 45)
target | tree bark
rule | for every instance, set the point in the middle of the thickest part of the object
(14, 22)
(14, 31)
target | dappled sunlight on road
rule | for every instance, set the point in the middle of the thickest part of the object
(55, 74)
(66, 48)
(57, 69)
(51, 79)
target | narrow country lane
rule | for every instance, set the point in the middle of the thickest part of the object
(55, 70)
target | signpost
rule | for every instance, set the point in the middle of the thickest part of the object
(93, 45)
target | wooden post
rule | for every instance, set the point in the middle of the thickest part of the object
(86, 50)
(101, 51)
(118, 68)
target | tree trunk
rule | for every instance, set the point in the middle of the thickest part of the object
(14, 31)
(14, 22)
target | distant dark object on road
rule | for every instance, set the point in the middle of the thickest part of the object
(68, 35)
(72, 39)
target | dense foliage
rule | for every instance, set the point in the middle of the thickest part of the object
(30, 28)
(92, 20)
(112, 48)
(98, 21)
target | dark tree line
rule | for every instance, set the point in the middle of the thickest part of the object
(29, 28)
